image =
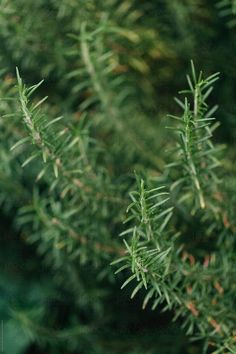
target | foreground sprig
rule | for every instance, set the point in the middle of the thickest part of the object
(197, 286)
(195, 180)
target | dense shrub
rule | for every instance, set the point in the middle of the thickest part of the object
(107, 182)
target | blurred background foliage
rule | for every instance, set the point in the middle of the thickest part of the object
(52, 302)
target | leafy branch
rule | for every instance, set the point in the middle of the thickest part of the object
(199, 290)
(196, 156)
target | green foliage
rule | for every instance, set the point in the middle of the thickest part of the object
(228, 9)
(196, 287)
(107, 72)
(196, 155)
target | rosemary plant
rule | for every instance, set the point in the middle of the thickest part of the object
(88, 121)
